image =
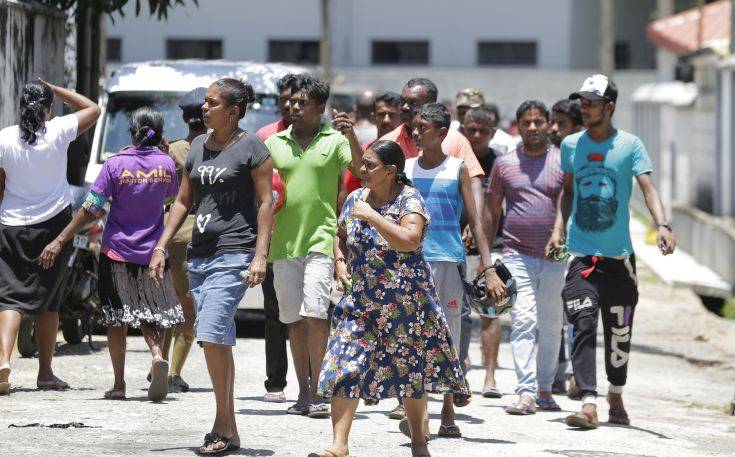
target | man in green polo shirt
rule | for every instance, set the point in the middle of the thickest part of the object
(310, 156)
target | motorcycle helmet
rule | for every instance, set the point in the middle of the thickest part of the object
(482, 303)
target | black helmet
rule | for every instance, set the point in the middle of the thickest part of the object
(482, 303)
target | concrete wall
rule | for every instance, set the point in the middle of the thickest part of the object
(631, 19)
(31, 45)
(710, 239)
(566, 36)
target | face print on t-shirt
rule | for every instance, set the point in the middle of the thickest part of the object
(596, 191)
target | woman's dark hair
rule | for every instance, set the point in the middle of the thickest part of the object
(237, 93)
(36, 96)
(146, 127)
(390, 153)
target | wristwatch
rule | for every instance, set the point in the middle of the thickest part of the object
(666, 225)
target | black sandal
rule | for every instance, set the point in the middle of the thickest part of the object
(212, 438)
(618, 416)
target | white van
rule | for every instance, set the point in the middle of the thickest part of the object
(161, 84)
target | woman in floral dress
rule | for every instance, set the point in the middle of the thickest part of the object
(390, 337)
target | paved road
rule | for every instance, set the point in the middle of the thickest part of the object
(682, 377)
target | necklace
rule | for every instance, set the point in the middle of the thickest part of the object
(226, 142)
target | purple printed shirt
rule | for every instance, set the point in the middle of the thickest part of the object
(530, 186)
(138, 181)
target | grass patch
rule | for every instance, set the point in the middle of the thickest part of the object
(710, 407)
(728, 309)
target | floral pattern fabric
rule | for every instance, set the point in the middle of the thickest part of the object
(389, 335)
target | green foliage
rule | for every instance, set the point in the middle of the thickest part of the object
(728, 310)
(159, 8)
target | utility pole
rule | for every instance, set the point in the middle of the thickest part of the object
(606, 52)
(324, 51)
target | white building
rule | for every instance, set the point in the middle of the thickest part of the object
(558, 35)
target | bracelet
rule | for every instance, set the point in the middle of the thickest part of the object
(486, 269)
(158, 248)
(341, 259)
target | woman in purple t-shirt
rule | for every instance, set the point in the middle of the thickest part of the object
(138, 180)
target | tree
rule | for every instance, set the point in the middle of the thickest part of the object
(158, 7)
(90, 43)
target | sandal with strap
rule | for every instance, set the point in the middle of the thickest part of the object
(450, 431)
(547, 404)
(618, 416)
(491, 392)
(212, 438)
(521, 408)
(274, 397)
(54, 384)
(582, 420)
(298, 409)
(318, 411)
(115, 394)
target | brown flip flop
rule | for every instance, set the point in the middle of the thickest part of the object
(582, 420)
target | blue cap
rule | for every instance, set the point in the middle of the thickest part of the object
(191, 103)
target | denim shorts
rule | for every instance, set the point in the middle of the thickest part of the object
(217, 288)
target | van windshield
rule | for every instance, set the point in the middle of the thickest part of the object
(120, 106)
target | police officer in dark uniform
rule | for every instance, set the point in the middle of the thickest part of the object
(183, 334)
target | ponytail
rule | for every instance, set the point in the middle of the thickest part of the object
(237, 93)
(34, 99)
(401, 178)
(146, 127)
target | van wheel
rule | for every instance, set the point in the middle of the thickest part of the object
(27, 337)
(72, 331)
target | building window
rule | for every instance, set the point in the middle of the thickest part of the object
(506, 53)
(294, 51)
(114, 50)
(401, 52)
(622, 55)
(193, 49)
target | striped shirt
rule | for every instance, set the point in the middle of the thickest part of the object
(530, 186)
(440, 188)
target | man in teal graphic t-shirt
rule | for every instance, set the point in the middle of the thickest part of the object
(599, 165)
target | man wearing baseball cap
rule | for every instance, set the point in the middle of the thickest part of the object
(466, 99)
(183, 334)
(599, 165)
